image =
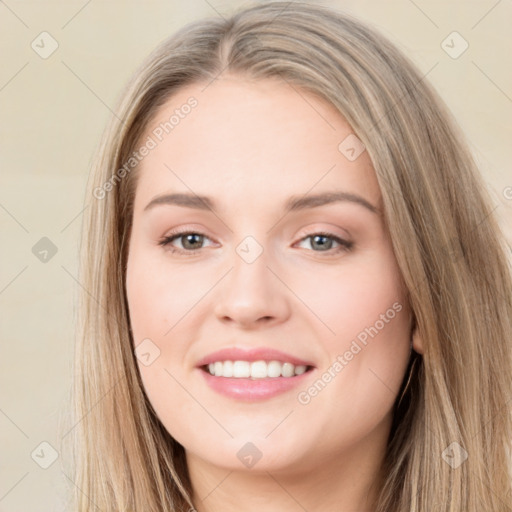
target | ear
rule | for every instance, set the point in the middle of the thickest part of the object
(417, 342)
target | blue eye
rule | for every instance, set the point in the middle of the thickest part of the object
(325, 242)
(192, 242)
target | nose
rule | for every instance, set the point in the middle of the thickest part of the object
(252, 295)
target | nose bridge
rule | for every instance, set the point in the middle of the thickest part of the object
(252, 291)
(250, 275)
(250, 265)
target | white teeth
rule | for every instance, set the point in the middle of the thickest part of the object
(299, 370)
(227, 369)
(258, 370)
(240, 369)
(288, 370)
(274, 369)
(254, 370)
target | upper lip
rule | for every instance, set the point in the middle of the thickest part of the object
(251, 354)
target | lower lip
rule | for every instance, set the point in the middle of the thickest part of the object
(253, 389)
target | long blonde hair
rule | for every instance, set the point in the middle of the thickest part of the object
(447, 243)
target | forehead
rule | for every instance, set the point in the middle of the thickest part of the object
(261, 139)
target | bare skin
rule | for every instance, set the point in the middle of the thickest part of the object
(249, 146)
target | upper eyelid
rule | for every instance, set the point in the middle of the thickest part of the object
(187, 229)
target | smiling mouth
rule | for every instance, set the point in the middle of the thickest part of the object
(255, 370)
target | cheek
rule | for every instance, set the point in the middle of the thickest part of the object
(158, 303)
(352, 299)
(158, 299)
(150, 302)
(366, 339)
(164, 303)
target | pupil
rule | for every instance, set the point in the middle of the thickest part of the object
(190, 237)
(322, 246)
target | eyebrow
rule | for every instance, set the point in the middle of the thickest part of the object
(294, 203)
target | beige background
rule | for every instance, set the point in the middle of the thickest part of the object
(52, 115)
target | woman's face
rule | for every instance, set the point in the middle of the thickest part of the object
(270, 264)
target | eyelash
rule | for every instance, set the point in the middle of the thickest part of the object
(344, 245)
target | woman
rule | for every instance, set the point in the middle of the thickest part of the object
(295, 293)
